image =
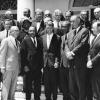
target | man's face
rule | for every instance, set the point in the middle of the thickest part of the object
(84, 16)
(97, 14)
(15, 32)
(57, 17)
(7, 25)
(27, 13)
(49, 28)
(39, 16)
(32, 32)
(67, 16)
(75, 22)
(65, 28)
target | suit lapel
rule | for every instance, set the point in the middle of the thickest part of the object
(74, 37)
(13, 42)
(30, 40)
(95, 41)
(41, 25)
(52, 40)
(45, 41)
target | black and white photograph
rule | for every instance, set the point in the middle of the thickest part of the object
(49, 49)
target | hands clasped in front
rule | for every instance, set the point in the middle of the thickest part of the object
(89, 64)
(70, 55)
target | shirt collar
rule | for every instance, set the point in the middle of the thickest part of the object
(78, 29)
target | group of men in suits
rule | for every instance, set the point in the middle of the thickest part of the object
(67, 52)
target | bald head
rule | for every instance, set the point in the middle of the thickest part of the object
(75, 21)
(26, 12)
(14, 31)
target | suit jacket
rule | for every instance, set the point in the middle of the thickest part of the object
(64, 60)
(95, 53)
(31, 55)
(51, 54)
(78, 44)
(41, 28)
(9, 54)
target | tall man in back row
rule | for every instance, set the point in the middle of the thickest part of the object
(76, 50)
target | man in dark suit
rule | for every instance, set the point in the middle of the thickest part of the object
(38, 21)
(76, 50)
(94, 61)
(32, 63)
(64, 70)
(51, 53)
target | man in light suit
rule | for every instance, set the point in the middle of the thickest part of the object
(9, 63)
(5, 32)
(51, 54)
(94, 61)
(76, 50)
(32, 63)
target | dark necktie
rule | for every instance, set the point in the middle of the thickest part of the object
(16, 42)
(35, 42)
(7, 34)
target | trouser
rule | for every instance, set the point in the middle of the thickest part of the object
(64, 82)
(96, 84)
(89, 93)
(32, 83)
(9, 85)
(77, 83)
(50, 83)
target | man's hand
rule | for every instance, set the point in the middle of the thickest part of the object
(70, 55)
(56, 65)
(2, 70)
(89, 64)
(26, 69)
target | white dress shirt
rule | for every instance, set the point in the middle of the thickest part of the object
(38, 25)
(34, 41)
(49, 37)
(91, 39)
(57, 24)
